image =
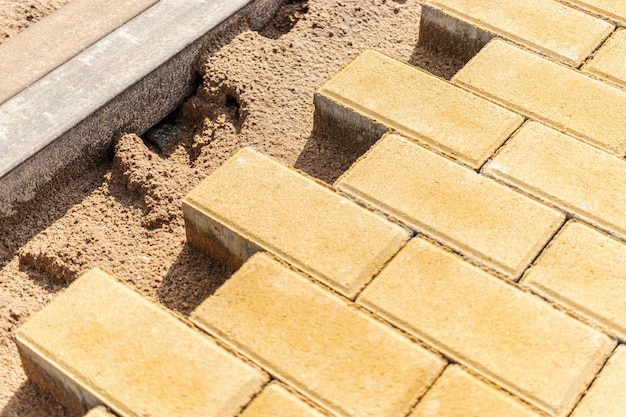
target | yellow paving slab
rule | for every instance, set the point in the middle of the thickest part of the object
(608, 61)
(560, 97)
(254, 203)
(544, 26)
(456, 393)
(59, 37)
(561, 170)
(98, 412)
(485, 220)
(614, 10)
(319, 343)
(276, 401)
(509, 336)
(100, 342)
(606, 396)
(375, 89)
(583, 269)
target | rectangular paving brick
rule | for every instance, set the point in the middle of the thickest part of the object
(608, 61)
(614, 10)
(456, 393)
(62, 35)
(583, 269)
(100, 342)
(375, 93)
(275, 400)
(503, 333)
(254, 203)
(560, 97)
(606, 397)
(565, 172)
(487, 221)
(98, 412)
(545, 26)
(317, 342)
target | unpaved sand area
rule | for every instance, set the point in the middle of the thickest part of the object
(125, 215)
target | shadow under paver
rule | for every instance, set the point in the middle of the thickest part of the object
(456, 393)
(376, 93)
(488, 222)
(253, 203)
(101, 342)
(507, 335)
(545, 26)
(558, 96)
(317, 342)
(583, 269)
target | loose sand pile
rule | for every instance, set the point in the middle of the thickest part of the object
(125, 216)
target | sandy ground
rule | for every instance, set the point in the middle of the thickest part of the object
(125, 215)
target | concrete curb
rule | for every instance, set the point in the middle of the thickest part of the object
(127, 81)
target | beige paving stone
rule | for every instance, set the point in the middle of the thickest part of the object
(606, 396)
(318, 343)
(544, 26)
(100, 342)
(456, 393)
(99, 412)
(375, 90)
(63, 34)
(275, 401)
(583, 180)
(583, 269)
(509, 336)
(608, 61)
(485, 220)
(614, 10)
(560, 97)
(254, 203)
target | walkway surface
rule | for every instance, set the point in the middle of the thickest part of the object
(469, 263)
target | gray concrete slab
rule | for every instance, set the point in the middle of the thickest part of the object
(62, 35)
(127, 81)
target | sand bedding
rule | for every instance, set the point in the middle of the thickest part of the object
(125, 215)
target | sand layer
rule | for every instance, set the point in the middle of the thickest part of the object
(125, 215)
(17, 15)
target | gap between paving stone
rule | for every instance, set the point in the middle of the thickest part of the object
(127, 81)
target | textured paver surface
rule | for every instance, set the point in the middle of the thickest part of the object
(469, 263)
(584, 270)
(254, 203)
(608, 61)
(606, 396)
(275, 400)
(545, 26)
(581, 179)
(325, 347)
(514, 339)
(386, 91)
(561, 97)
(458, 394)
(481, 218)
(102, 342)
